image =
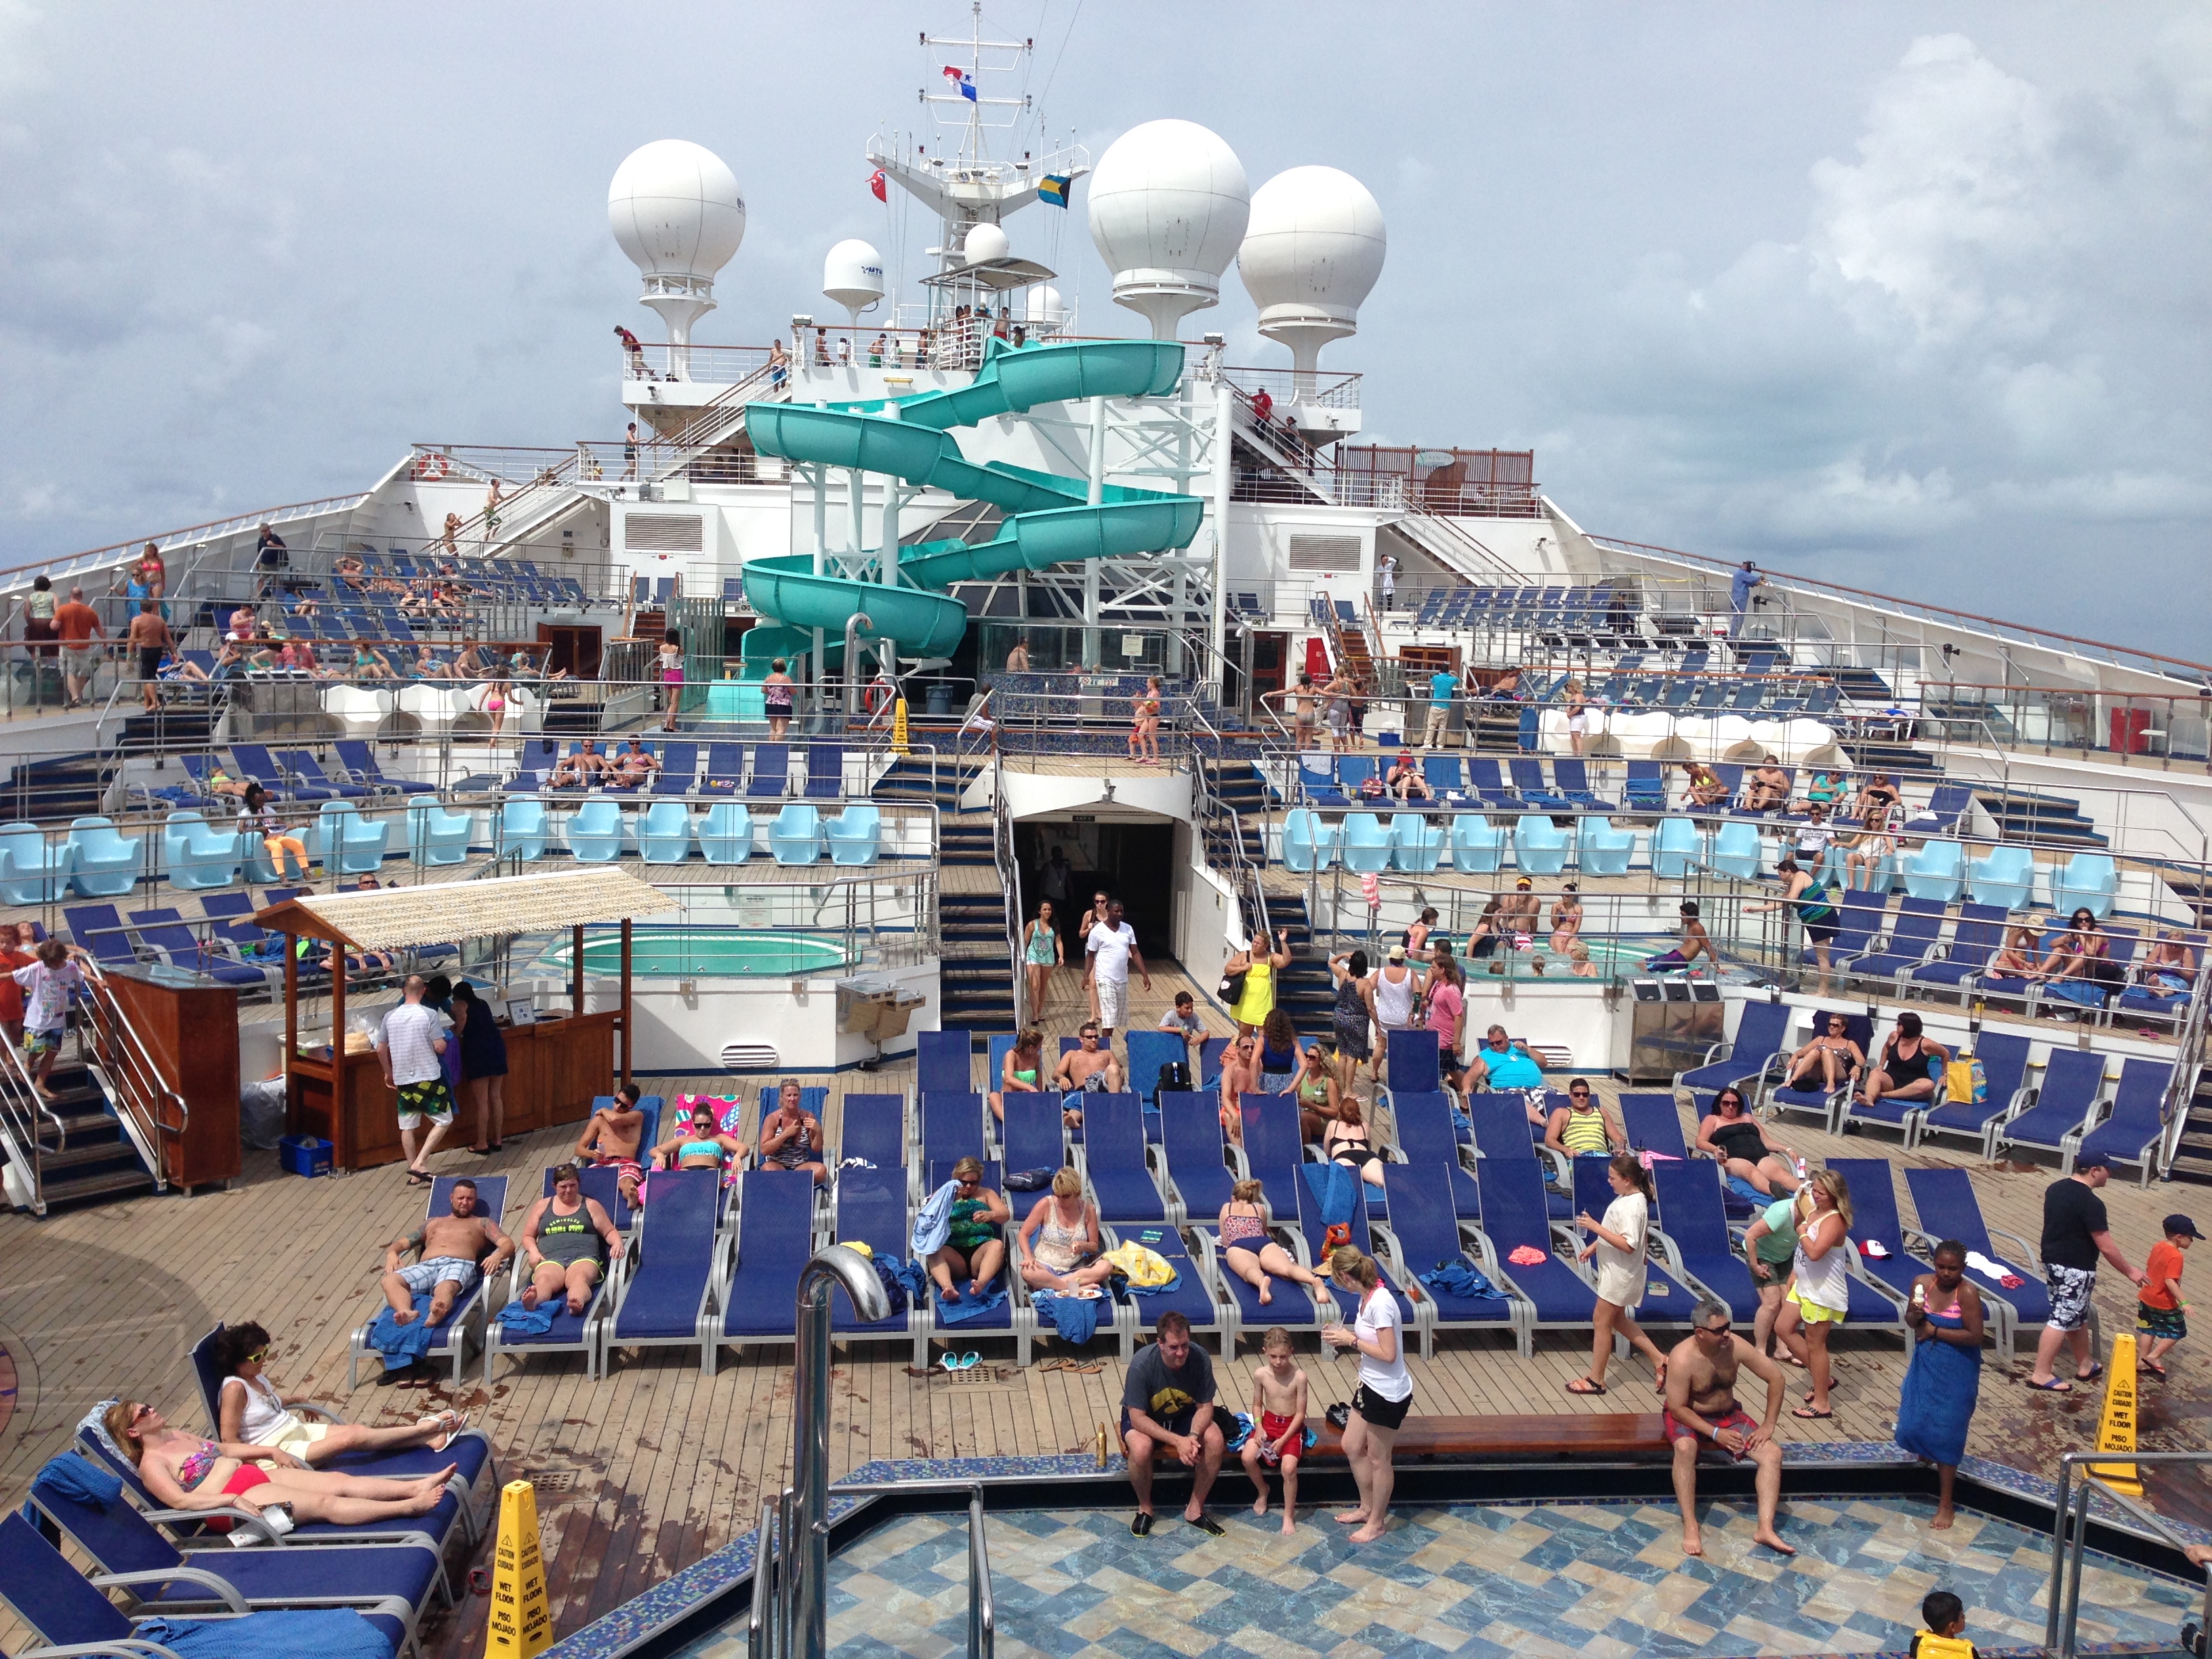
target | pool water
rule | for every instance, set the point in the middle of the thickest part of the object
(706, 952)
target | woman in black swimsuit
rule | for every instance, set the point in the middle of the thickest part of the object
(1731, 1135)
(1910, 1065)
(1345, 1141)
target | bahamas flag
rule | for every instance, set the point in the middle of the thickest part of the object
(1053, 188)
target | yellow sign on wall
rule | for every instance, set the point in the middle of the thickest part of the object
(898, 726)
(2115, 1428)
(521, 1626)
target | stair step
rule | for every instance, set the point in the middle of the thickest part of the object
(79, 1154)
(105, 1183)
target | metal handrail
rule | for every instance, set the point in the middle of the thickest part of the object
(1010, 884)
(115, 1036)
(1212, 809)
(20, 1105)
(92, 557)
(2069, 1545)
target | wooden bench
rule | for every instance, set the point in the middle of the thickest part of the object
(1635, 1437)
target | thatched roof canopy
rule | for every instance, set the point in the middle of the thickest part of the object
(384, 918)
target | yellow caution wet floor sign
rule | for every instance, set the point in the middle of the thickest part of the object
(898, 726)
(520, 1623)
(2115, 1428)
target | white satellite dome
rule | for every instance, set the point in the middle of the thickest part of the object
(1312, 254)
(986, 242)
(1044, 308)
(853, 276)
(1168, 202)
(676, 212)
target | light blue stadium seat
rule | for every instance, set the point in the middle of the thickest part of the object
(1367, 845)
(106, 862)
(1415, 843)
(1309, 844)
(795, 837)
(1675, 848)
(198, 855)
(1478, 845)
(1602, 850)
(1736, 850)
(2006, 876)
(664, 834)
(347, 842)
(1539, 846)
(726, 834)
(595, 833)
(856, 835)
(522, 828)
(437, 837)
(31, 872)
(1937, 871)
(2089, 878)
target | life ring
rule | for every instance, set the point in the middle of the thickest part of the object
(432, 467)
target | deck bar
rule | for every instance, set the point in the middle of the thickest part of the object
(809, 1430)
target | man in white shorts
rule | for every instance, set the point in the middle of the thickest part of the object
(1111, 945)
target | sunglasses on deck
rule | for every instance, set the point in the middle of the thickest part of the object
(1578, 1094)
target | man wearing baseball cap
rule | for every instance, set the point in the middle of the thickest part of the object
(2161, 1320)
(2075, 1232)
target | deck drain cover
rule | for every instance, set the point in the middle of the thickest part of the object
(545, 1480)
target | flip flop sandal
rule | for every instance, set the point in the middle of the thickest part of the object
(1582, 1386)
(948, 1361)
(416, 1178)
(2055, 1386)
(1140, 1526)
(2157, 1371)
(967, 1361)
(2089, 1375)
(1806, 1414)
(1092, 1367)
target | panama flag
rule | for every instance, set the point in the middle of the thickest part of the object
(961, 79)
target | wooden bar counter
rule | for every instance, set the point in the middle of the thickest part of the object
(189, 1025)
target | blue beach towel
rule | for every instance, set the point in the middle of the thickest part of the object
(933, 1224)
(404, 1343)
(1335, 1188)
(969, 1307)
(529, 1321)
(1457, 1276)
(1744, 1189)
(328, 1633)
(75, 1477)
(1075, 1318)
(909, 1275)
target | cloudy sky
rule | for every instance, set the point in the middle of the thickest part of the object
(1912, 296)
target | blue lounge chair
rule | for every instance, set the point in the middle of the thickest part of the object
(1938, 871)
(1033, 1134)
(871, 1209)
(595, 832)
(1602, 850)
(855, 835)
(1317, 780)
(756, 1268)
(1150, 1054)
(1429, 1139)
(1539, 846)
(1762, 1032)
(2131, 1134)
(449, 1341)
(1191, 1295)
(1427, 1229)
(1909, 946)
(2089, 878)
(944, 1061)
(1295, 1307)
(103, 863)
(1415, 843)
(1411, 1061)
(99, 929)
(522, 828)
(1352, 770)
(725, 770)
(1946, 811)
(1978, 936)
(1313, 1231)
(952, 1125)
(795, 837)
(253, 760)
(771, 778)
(1570, 776)
(436, 835)
(874, 1131)
(164, 932)
(1945, 1202)
(825, 771)
(359, 759)
(726, 834)
(1442, 772)
(1696, 1234)
(679, 769)
(2004, 1068)
(2006, 879)
(1646, 789)
(1487, 784)
(1478, 848)
(1529, 783)
(305, 769)
(347, 842)
(664, 833)
(1515, 1214)
(583, 1333)
(1113, 1160)
(1736, 850)
(666, 1301)
(69, 1613)
(1192, 1151)
(1272, 1151)
(2064, 1107)
(1367, 846)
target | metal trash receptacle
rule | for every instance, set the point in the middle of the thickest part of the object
(1671, 1023)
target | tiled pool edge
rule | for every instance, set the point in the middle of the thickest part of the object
(686, 1592)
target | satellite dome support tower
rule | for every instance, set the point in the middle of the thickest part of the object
(675, 210)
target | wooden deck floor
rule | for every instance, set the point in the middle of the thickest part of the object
(652, 1467)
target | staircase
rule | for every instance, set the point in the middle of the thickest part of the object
(2192, 1156)
(1304, 990)
(175, 729)
(56, 790)
(908, 778)
(2021, 814)
(1898, 759)
(78, 1148)
(975, 984)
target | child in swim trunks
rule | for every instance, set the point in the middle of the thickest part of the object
(1278, 1411)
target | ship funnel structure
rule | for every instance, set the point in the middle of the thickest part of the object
(853, 276)
(1313, 250)
(674, 209)
(1168, 204)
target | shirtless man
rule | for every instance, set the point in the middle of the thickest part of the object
(1521, 912)
(579, 769)
(449, 1246)
(1701, 1407)
(1829, 1058)
(611, 1137)
(1080, 1066)
(1696, 942)
(149, 639)
(1766, 790)
(791, 1136)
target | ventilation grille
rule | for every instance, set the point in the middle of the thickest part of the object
(1338, 553)
(663, 533)
(751, 1057)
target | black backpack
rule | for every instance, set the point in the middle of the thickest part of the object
(1175, 1077)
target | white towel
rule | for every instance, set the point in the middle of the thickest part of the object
(1990, 1269)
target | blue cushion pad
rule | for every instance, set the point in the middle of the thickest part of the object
(327, 1569)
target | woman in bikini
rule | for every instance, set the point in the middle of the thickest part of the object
(776, 694)
(1566, 919)
(184, 1472)
(1347, 1141)
(2072, 970)
(698, 1143)
(2018, 958)
(1022, 1072)
(1041, 952)
(1249, 1252)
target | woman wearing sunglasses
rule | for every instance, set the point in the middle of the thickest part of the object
(184, 1472)
(254, 1410)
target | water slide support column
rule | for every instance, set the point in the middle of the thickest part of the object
(1094, 495)
(1221, 487)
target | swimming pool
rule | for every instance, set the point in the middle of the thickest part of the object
(706, 952)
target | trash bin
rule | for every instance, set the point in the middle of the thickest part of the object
(940, 699)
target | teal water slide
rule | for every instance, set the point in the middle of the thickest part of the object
(1049, 520)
